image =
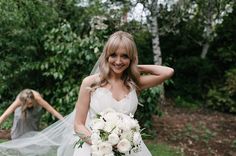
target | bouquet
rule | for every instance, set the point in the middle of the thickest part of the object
(114, 134)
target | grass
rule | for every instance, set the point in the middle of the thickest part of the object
(1, 140)
(163, 150)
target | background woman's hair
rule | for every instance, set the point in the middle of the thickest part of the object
(131, 74)
(26, 94)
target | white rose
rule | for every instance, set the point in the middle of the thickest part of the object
(111, 116)
(113, 138)
(97, 153)
(127, 135)
(105, 148)
(136, 138)
(94, 148)
(126, 124)
(134, 125)
(110, 154)
(123, 127)
(97, 124)
(124, 146)
(109, 126)
(95, 138)
(117, 131)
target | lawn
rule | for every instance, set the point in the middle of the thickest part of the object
(163, 150)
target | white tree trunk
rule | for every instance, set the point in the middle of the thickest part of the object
(205, 49)
(157, 57)
(155, 41)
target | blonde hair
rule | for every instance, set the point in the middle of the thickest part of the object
(24, 96)
(131, 74)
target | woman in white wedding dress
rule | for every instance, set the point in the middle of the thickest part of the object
(115, 86)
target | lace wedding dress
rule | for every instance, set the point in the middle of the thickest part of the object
(102, 99)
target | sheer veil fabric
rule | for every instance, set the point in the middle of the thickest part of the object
(59, 138)
(56, 140)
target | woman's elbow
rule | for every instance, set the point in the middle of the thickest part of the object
(169, 72)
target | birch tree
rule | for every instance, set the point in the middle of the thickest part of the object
(207, 16)
(152, 9)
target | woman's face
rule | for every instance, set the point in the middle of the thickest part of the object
(119, 61)
(29, 103)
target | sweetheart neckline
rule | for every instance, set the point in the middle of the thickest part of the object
(122, 99)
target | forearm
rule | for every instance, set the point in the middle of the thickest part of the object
(58, 115)
(156, 70)
(48, 107)
(2, 119)
(4, 116)
(9, 110)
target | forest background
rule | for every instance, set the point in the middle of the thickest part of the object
(50, 46)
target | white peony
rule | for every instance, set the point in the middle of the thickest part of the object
(111, 117)
(124, 146)
(137, 138)
(109, 126)
(110, 154)
(105, 148)
(113, 138)
(126, 124)
(97, 153)
(127, 135)
(95, 138)
(134, 125)
(123, 126)
(117, 130)
(98, 124)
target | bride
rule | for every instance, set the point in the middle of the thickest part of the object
(115, 84)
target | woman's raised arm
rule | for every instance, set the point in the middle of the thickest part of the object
(10, 110)
(46, 105)
(154, 75)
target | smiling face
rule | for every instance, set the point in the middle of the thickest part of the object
(119, 61)
(119, 57)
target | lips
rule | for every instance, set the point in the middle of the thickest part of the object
(118, 66)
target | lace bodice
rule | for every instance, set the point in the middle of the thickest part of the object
(102, 99)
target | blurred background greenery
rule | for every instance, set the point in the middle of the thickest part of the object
(50, 46)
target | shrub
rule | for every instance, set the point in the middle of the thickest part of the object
(223, 97)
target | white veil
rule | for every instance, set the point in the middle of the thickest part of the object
(55, 140)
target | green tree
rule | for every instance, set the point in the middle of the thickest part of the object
(23, 25)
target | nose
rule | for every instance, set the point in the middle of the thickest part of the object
(118, 60)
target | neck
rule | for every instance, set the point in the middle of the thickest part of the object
(115, 77)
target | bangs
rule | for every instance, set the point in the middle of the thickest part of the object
(118, 42)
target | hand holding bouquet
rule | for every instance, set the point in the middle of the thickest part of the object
(114, 134)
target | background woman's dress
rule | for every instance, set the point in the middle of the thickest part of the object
(28, 124)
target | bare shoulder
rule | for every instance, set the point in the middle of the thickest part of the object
(89, 80)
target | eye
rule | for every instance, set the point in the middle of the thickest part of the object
(125, 56)
(113, 55)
